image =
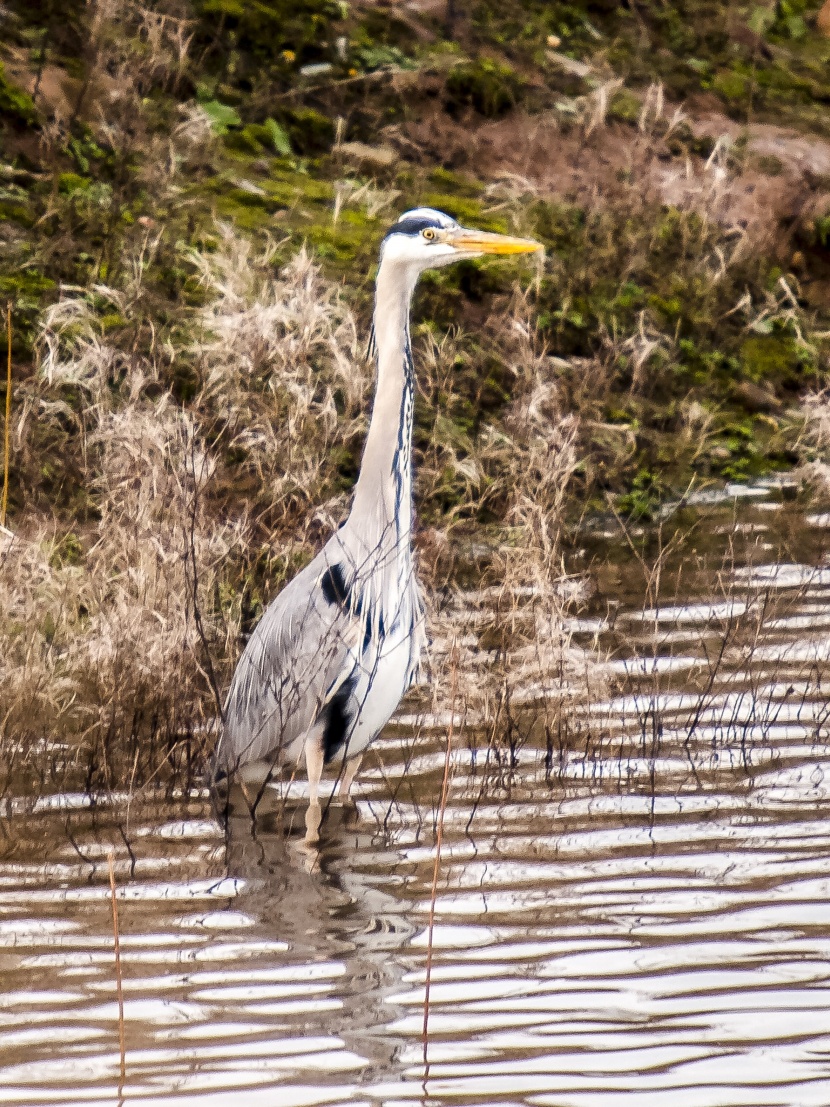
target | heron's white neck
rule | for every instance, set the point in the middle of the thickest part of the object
(382, 508)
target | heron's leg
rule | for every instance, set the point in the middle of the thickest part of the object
(314, 768)
(350, 771)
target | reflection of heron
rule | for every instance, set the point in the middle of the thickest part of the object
(330, 910)
(335, 651)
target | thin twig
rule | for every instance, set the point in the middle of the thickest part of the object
(118, 981)
(7, 433)
(192, 578)
(303, 90)
(439, 837)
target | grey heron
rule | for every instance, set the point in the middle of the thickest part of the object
(333, 654)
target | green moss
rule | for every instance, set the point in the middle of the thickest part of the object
(782, 83)
(259, 190)
(28, 283)
(309, 131)
(244, 141)
(670, 308)
(70, 183)
(15, 207)
(489, 87)
(369, 56)
(16, 106)
(27, 289)
(786, 20)
(289, 187)
(340, 245)
(275, 137)
(641, 501)
(248, 211)
(777, 358)
(736, 453)
(68, 550)
(631, 297)
(625, 106)
(468, 211)
(274, 36)
(770, 165)
(732, 86)
(456, 184)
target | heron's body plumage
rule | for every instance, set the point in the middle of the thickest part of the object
(336, 650)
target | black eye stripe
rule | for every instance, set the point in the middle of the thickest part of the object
(413, 227)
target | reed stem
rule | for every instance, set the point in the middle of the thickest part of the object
(118, 979)
(439, 838)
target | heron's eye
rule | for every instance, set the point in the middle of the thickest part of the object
(429, 234)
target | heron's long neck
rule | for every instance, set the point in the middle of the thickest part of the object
(383, 494)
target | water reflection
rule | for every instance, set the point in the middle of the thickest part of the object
(643, 919)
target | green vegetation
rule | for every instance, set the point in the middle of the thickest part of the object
(489, 87)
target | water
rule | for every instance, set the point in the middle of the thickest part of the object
(637, 912)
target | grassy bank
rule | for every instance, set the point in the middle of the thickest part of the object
(192, 196)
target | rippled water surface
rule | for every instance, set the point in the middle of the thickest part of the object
(639, 917)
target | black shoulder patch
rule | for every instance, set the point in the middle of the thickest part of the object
(338, 719)
(333, 583)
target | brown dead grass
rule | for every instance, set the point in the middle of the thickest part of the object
(120, 637)
(119, 631)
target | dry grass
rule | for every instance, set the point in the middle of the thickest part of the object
(121, 629)
(815, 442)
(120, 636)
(508, 630)
(284, 384)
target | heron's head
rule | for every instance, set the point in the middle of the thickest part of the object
(426, 239)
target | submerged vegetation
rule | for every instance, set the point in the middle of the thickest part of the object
(191, 198)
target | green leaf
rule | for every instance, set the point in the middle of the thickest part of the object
(14, 102)
(233, 8)
(762, 19)
(77, 151)
(279, 137)
(222, 116)
(70, 183)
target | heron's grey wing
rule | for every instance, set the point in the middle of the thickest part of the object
(295, 662)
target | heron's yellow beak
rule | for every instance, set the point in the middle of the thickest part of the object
(482, 242)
